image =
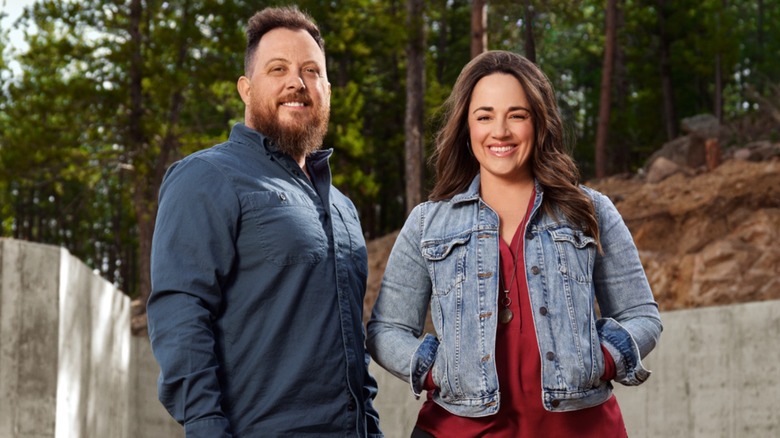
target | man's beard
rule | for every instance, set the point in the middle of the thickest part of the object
(297, 138)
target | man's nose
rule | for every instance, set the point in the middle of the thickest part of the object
(296, 82)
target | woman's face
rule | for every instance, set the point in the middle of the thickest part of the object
(500, 127)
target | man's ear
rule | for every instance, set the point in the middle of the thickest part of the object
(243, 85)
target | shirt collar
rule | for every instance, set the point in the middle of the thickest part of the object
(244, 134)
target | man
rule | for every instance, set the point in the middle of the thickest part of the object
(259, 265)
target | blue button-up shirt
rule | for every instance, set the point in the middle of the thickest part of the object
(258, 279)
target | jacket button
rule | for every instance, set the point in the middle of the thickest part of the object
(550, 355)
(543, 311)
(555, 403)
(535, 270)
(529, 235)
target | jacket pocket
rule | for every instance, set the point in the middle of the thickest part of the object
(446, 261)
(575, 252)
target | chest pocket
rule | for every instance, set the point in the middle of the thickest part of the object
(575, 252)
(446, 262)
(287, 226)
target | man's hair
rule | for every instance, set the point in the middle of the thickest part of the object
(289, 17)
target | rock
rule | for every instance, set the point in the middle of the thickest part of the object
(702, 125)
(675, 151)
(742, 154)
(661, 169)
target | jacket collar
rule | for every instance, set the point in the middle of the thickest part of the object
(470, 194)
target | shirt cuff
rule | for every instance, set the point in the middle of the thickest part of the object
(215, 427)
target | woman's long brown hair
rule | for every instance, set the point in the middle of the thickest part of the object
(552, 166)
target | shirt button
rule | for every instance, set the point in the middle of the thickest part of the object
(282, 197)
(535, 270)
(555, 403)
(543, 311)
(550, 355)
(351, 405)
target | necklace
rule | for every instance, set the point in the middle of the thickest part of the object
(506, 315)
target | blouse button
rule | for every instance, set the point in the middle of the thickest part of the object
(535, 270)
(550, 355)
(543, 311)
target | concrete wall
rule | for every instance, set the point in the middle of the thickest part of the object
(69, 367)
(716, 373)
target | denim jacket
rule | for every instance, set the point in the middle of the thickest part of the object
(447, 255)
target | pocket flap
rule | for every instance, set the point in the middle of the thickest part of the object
(439, 249)
(573, 236)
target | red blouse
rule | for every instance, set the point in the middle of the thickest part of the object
(519, 376)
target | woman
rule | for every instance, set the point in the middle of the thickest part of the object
(512, 255)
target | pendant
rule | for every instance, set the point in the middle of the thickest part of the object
(505, 316)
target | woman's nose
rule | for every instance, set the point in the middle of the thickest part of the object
(500, 130)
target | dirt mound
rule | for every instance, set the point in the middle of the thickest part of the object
(704, 239)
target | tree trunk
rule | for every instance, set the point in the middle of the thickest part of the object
(605, 104)
(442, 43)
(669, 116)
(413, 122)
(528, 27)
(620, 154)
(147, 185)
(478, 27)
(137, 146)
(718, 99)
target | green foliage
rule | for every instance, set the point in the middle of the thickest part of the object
(80, 159)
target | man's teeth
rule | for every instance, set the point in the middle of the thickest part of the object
(293, 104)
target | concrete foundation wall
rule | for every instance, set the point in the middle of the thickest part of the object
(69, 367)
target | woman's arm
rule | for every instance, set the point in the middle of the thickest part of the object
(630, 323)
(398, 317)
